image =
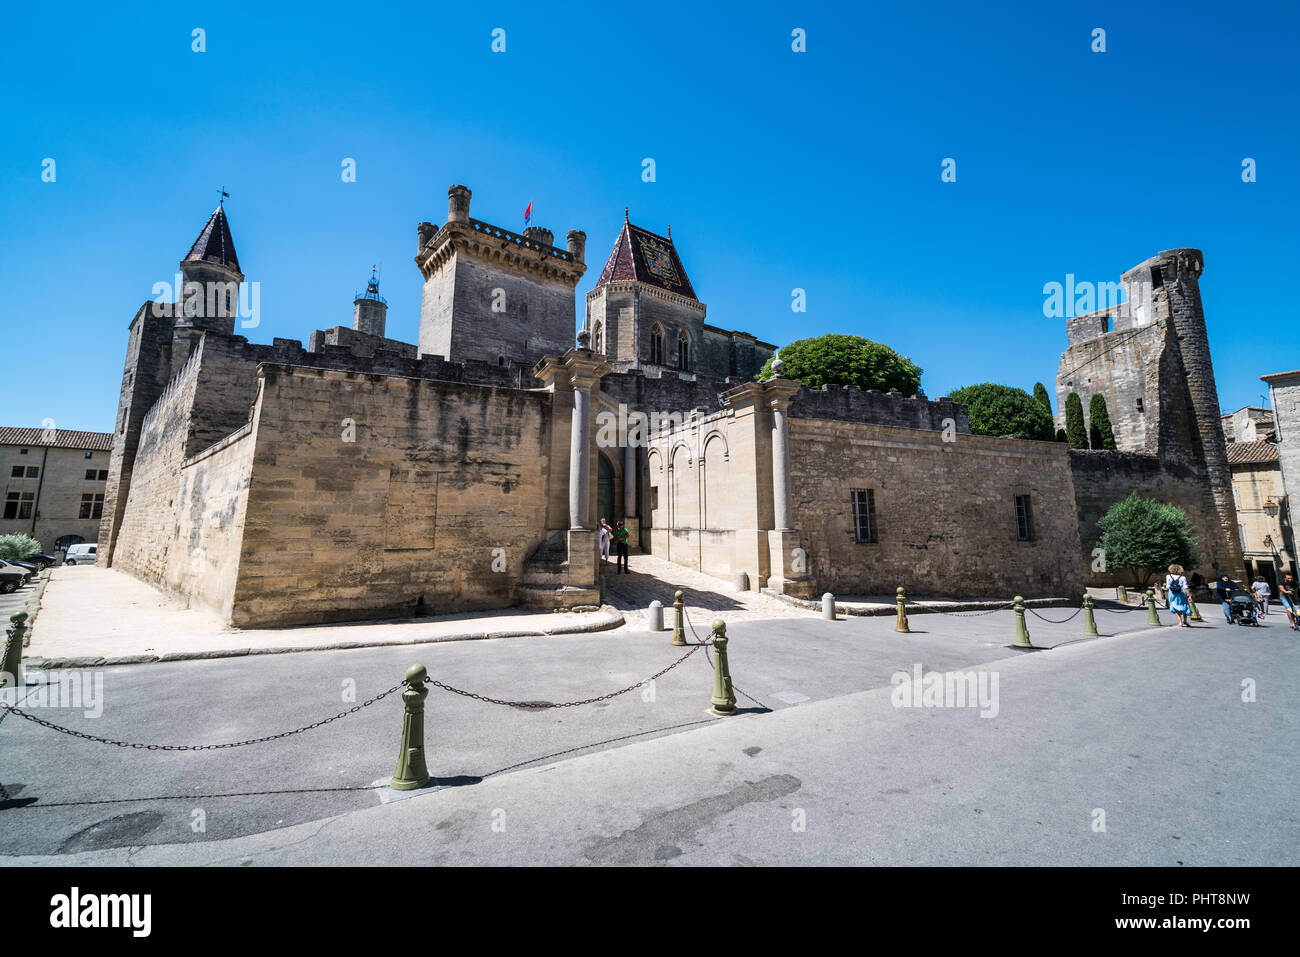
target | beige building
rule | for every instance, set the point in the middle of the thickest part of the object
(1267, 538)
(54, 483)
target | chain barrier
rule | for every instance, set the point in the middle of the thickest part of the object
(545, 705)
(1002, 606)
(27, 715)
(1122, 611)
(1054, 621)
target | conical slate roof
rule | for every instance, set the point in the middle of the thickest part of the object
(215, 244)
(646, 257)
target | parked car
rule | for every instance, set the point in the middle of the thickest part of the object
(24, 563)
(83, 553)
(42, 560)
(10, 581)
(27, 573)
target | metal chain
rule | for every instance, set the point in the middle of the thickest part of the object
(734, 687)
(196, 747)
(959, 614)
(1054, 621)
(545, 705)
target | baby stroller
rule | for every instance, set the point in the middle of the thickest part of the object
(1242, 608)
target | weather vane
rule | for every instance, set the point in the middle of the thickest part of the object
(224, 195)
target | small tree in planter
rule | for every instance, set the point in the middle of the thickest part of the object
(1146, 537)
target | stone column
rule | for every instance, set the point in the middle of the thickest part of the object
(629, 481)
(780, 465)
(580, 456)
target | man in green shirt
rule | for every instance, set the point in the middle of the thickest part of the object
(620, 543)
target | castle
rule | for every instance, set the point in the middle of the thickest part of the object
(364, 476)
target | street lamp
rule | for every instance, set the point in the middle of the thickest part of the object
(1271, 508)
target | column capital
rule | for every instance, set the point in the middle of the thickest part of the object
(576, 369)
(777, 393)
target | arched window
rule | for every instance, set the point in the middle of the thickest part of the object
(598, 338)
(683, 351)
(657, 344)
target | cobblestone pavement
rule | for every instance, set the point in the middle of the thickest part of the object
(706, 597)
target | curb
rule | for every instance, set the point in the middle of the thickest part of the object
(892, 609)
(613, 619)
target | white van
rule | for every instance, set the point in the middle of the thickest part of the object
(81, 554)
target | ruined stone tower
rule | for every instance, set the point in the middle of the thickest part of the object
(1150, 358)
(494, 295)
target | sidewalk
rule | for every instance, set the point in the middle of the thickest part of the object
(91, 615)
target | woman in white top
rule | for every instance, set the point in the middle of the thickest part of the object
(1262, 594)
(1179, 596)
(606, 534)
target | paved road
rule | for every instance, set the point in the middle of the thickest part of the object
(1149, 728)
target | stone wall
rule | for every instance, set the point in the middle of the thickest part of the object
(402, 519)
(945, 512)
(1103, 478)
(847, 404)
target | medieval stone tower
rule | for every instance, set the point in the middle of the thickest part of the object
(1150, 358)
(209, 298)
(370, 310)
(494, 295)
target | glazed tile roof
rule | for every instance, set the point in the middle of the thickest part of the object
(1246, 453)
(642, 256)
(215, 244)
(61, 439)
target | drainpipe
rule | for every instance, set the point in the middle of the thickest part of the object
(40, 483)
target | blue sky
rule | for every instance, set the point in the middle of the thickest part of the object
(776, 170)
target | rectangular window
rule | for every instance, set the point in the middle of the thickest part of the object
(1140, 405)
(103, 475)
(89, 454)
(16, 472)
(92, 506)
(11, 505)
(1236, 499)
(33, 471)
(1241, 533)
(90, 475)
(1024, 519)
(25, 504)
(864, 516)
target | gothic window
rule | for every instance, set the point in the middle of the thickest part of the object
(657, 344)
(598, 338)
(683, 351)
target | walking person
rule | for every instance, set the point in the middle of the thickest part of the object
(1176, 588)
(1262, 593)
(1223, 591)
(620, 543)
(606, 536)
(1288, 592)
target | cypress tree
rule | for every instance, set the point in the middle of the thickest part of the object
(1045, 400)
(1100, 434)
(1076, 433)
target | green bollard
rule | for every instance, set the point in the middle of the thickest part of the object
(679, 633)
(1022, 630)
(13, 650)
(412, 773)
(1089, 622)
(901, 623)
(1152, 617)
(724, 695)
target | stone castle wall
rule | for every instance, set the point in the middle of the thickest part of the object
(945, 511)
(403, 519)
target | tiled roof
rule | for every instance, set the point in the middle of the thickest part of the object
(646, 257)
(1245, 453)
(56, 438)
(1280, 375)
(215, 244)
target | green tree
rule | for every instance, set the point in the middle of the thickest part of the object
(18, 546)
(1045, 400)
(1146, 537)
(1100, 434)
(836, 359)
(1075, 431)
(1004, 410)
